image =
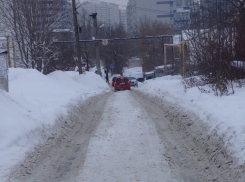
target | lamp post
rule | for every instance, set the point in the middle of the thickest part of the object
(94, 16)
(77, 37)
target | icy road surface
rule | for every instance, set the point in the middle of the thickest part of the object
(125, 136)
(126, 146)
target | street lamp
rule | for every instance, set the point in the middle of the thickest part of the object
(77, 37)
(94, 16)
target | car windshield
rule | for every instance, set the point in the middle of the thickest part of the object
(122, 79)
(131, 78)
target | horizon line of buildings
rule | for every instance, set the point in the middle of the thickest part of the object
(176, 13)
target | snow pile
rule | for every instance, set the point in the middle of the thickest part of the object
(34, 103)
(224, 114)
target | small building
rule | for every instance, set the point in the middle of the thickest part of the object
(3, 43)
(63, 35)
(149, 75)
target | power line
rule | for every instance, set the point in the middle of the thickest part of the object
(117, 39)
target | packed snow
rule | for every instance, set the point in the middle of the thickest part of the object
(34, 103)
(226, 114)
(125, 146)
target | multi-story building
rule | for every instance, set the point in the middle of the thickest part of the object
(123, 18)
(66, 16)
(56, 11)
(186, 13)
(161, 10)
(107, 13)
(182, 18)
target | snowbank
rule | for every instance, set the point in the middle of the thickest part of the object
(224, 114)
(33, 103)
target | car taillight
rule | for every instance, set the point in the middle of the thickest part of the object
(128, 82)
(112, 81)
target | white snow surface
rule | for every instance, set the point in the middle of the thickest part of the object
(34, 103)
(225, 114)
(125, 147)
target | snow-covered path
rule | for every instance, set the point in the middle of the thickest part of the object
(126, 146)
(128, 136)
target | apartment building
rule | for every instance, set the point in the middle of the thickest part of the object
(161, 10)
(50, 9)
(182, 18)
(107, 13)
(123, 18)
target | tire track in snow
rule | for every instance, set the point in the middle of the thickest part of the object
(126, 146)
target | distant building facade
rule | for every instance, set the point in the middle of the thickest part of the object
(123, 18)
(186, 12)
(107, 13)
(161, 10)
(66, 15)
(61, 8)
(182, 19)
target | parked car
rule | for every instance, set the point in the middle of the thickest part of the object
(113, 80)
(133, 81)
(140, 79)
(122, 83)
(114, 76)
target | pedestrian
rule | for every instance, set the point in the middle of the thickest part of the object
(106, 77)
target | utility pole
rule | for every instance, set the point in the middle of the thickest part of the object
(94, 16)
(165, 60)
(183, 56)
(14, 52)
(77, 37)
(9, 61)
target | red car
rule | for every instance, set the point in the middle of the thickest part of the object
(122, 83)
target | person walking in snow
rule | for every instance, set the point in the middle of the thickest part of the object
(106, 77)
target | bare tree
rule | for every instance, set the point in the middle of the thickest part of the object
(31, 23)
(86, 32)
(152, 50)
(117, 52)
(217, 41)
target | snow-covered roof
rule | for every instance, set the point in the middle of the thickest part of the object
(62, 30)
(182, 10)
(148, 73)
(3, 38)
(3, 51)
(162, 67)
(159, 67)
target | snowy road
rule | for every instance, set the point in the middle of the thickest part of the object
(126, 146)
(125, 137)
